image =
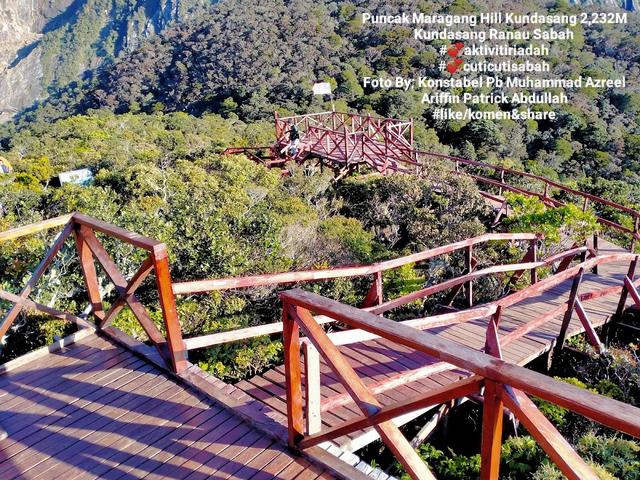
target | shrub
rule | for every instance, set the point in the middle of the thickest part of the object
(529, 214)
(449, 466)
(520, 456)
(620, 457)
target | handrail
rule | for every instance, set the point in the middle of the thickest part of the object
(18, 232)
(503, 383)
(627, 287)
(349, 115)
(447, 284)
(380, 127)
(345, 337)
(120, 233)
(494, 312)
(635, 232)
(485, 311)
(352, 136)
(208, 285)
(374, 298)
(89, 249)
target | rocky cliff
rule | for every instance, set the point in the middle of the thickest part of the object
(46, 44)
(21, 27)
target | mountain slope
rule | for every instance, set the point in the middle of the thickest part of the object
(46, 44)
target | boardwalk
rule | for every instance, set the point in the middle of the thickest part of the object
(380, 360)
(96, 410)
(105, 406)
(347, 140)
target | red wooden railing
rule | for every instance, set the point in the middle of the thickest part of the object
(501, 385)
(174, 348)
(387, 145)
(548, 187)
(374, 299)
(350, 138)
(90, 249)
(494, 343)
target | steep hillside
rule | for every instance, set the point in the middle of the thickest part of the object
(46, 44)
(246, 60)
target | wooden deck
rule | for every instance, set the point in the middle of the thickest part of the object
(376, 154)
(96, 410)
(378, 360)
(105, 406)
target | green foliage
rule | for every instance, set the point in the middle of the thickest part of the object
(347, 234)
(520, 457)
(403, 211)
(611, 456)
(95, 32)
(30, 332)
(232, 60)
(568, 422)
(403, 280)
(243, 361)
(529, 214)
(162, 176)
(447, 466)
(621, 458)
(615, 373)
(548, 471)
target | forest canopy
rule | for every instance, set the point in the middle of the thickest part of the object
(245, 61)
(163, 175)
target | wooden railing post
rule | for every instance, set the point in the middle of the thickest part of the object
(169, 310)
(89, 275)
(363, 397)
(533, 251)
(573, 296)
(625, 292)
(492, 341)
(636, 229)
(592, 335)
(276, 117)
(544, 432)
(414, 153)
(291, 341)
(492, 417)
(375, 293)
(385, 136)
(596, 251)
(468, 263)
(42, 267)
(346, 146)
(632, 291)
(312, 388)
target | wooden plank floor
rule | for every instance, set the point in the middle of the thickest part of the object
(372, 153)
(95, 410)
(376, 360)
